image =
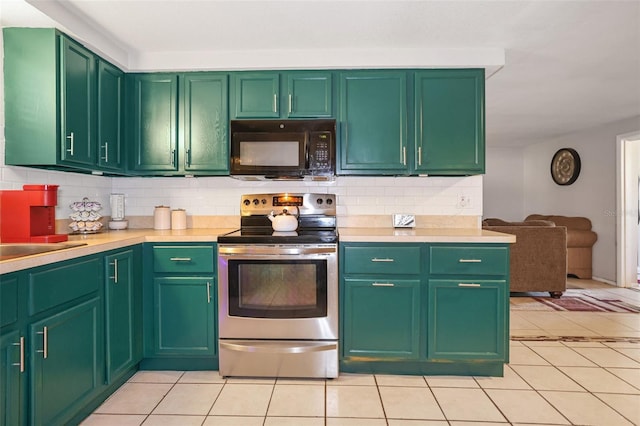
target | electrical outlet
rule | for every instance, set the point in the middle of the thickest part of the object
(463, 201)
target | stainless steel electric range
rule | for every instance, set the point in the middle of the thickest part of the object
(278, 291)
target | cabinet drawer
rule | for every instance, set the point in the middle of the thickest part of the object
(382, 260)
(53, 286)
(468, 260)
(183, 259)
(8, 299)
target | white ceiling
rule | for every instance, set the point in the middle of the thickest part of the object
(555, 67)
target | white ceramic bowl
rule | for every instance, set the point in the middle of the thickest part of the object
(118, 224)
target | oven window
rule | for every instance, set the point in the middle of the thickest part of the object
(278, 288)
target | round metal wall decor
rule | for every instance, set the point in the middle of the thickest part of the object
(565, 166)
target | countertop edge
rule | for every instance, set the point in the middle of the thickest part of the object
(113, 240)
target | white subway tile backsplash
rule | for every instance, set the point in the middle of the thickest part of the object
(220, 196)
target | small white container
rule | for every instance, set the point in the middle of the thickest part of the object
(178, 219)
(162, 217)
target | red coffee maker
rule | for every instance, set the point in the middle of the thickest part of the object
(28, 215)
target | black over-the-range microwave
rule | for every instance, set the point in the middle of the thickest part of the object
(283, 149)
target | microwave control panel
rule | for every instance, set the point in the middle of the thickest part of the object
(321, 152)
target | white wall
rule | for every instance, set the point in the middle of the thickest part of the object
(504, 184)
(594, 193)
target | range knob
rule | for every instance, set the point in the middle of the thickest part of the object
(264, 201)
(319, 201)
(255, 202)
(246, 202)
(329, 201)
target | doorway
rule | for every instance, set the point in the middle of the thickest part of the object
(628, 209)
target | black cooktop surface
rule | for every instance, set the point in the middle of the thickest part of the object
(269, 236)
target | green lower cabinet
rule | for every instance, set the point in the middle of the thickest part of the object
(467, 320)
(12, 385)
(66, 362)
(381, 320)
(122, 313)
(184, 316)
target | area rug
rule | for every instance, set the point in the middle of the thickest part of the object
(574, 303)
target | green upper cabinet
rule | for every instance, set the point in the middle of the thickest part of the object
(155, 123)
(309, 95)
(179, 124)
(449, 122)
(256, 95)
(205, 123)
(373, 122)
(302, 94)
(110, 116)
(51, 86)
(78, 104)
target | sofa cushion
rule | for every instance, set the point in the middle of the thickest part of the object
(571, 222)
(499, 222)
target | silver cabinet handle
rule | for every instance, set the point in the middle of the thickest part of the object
(290, 103)
(106, 152)
(172, 157)
(383, 284)
(21, 363)
(468, 285)
(275, 102)
(419, 156)
(470, 261)
(188, 157)
(404, 155)
(70, 149)
(45, 342)
(277, 347)
(376, 259)
(208, 292)
(115, 271)
(180, 259)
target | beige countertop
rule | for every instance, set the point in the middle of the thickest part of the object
(104, 241)
(423, 235)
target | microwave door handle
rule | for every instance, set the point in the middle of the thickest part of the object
(306, 155)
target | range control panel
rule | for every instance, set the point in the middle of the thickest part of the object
(295, 203)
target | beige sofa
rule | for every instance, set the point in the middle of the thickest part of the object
(538, 259)
(580, 241)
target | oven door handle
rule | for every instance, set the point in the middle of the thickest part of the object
(272, 251)
(279, 347)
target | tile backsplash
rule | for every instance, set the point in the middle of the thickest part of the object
(220, 196)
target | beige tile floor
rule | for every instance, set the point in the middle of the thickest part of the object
(586, 372)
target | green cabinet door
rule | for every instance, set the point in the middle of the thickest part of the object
(449, 119)
(381, 318)
(121, 313)
(12, 385)
(155, 123)
(205, 122)
(467, 319)
(256, 95)
(78, 99)
(184, 316)
(110, 118)
(309, 95)
(373, 123)
(66, 362)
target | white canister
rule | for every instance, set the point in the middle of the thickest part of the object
(162, 217)
(178, 219)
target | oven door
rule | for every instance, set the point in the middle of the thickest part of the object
(278, 291)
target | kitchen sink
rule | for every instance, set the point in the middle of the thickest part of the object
(13, 250)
